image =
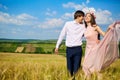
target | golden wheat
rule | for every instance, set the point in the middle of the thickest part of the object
(14, 66)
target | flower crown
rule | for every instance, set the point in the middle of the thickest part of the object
(93, 15)
(91, 11)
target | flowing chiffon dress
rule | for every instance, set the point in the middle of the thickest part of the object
(100, 55)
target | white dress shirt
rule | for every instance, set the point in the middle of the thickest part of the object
(73, 32)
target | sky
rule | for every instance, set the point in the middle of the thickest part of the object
(44, 19)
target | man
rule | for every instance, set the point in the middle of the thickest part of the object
(73, 30)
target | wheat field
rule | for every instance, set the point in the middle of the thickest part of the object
(16, 66)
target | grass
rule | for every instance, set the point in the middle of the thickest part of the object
(12, 46)
(32, 67)
(15, 66)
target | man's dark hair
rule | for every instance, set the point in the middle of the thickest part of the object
(78, 13)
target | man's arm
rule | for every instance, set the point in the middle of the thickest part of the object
(62, 35)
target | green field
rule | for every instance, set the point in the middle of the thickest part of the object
(16, 66)
(41, 46)
(43, 65)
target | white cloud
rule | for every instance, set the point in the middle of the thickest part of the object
(87, 1)
(73, 5)
(89, 10)
(50, 23)
(102, 16)
(55, 22)
(22, 19)
(25, 16)
(4, 17)
(50, 13)
(28, 20)
(67, 16)
(16, 30)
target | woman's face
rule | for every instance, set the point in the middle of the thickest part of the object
(88, 17)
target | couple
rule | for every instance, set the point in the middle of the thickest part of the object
(98, 54)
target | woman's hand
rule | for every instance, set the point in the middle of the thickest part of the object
(113, 25)
(98, 41)
(110, 26)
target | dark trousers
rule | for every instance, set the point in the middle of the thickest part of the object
(74, 56)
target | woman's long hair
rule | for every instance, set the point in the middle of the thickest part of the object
(93, 23)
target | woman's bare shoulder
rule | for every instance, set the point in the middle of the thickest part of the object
(96, 27)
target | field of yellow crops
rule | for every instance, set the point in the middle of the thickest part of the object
(15, 66)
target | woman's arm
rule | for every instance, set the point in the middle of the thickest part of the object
(99, 30)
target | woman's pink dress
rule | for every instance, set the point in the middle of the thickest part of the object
(100, 55)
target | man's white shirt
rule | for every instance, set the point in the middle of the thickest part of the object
(73, 32)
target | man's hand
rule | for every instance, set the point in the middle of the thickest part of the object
(56, 51)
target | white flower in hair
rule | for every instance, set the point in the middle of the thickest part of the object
(89, 10)
(92, 10)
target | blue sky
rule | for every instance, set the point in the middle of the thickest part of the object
(44, 19)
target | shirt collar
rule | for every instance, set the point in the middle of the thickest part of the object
(76, 22)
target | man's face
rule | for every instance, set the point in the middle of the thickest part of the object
(81, 18)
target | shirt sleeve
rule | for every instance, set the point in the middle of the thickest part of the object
(62, 35)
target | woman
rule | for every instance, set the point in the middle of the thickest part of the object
(98, 55)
